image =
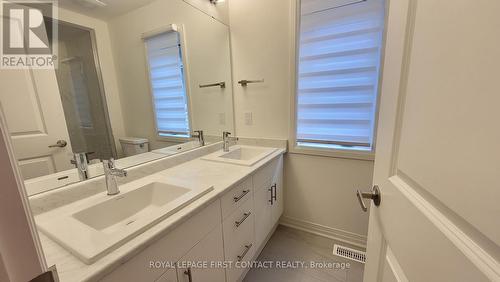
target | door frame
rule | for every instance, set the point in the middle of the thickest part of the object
(97, 64)
(15, 205)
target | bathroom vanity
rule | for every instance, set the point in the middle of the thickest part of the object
(208, 238)
(140, 96)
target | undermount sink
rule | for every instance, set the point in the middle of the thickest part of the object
(240, 155)
(92, 227)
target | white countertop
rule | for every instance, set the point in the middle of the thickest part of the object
(195, 172)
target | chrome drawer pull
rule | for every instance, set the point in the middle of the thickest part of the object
(247, 248)
(236, 199)
(245, 216)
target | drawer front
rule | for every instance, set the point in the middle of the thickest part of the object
(238, 222)
(236, 196)
(239, 242)
(263, 176)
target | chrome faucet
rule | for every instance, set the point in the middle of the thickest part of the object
(80, 160)
(200, 136)
(110, 171)
(226, 139)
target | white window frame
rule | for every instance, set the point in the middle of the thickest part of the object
(179, 28)
(294, 63)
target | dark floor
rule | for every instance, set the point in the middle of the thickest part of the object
(289, 244)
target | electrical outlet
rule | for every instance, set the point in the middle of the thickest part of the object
(248, 118)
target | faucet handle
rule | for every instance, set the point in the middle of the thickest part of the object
(81, 158)
(226, 134)
(197, 133)
(109, 163)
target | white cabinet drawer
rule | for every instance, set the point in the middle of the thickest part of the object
(239, 242)
(262, 177)
(236, 196)
(239, 220)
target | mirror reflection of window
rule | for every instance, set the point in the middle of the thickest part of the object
(72, 70)
(168, 90)
(81, 93)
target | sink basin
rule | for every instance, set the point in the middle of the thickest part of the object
(93, 227)
(240, 155)
(125, 209)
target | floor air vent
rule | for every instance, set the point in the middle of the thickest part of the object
(349, 253)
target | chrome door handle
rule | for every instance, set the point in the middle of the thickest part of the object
(59, 143)
(245, 82)
(373, 195)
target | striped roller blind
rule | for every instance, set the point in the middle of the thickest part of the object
(338, 71)
(166, 73)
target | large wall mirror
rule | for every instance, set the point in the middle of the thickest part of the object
(134, 81)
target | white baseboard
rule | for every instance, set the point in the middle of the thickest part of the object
(325, 231)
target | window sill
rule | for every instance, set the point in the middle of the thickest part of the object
(332, 153)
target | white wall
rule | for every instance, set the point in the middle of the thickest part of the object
(260, 48)
(218, 11)
(208, 55)
(107, 66)
(319, 191)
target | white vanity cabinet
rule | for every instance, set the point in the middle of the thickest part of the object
(248, 226)
(231, 229)
(268, 198)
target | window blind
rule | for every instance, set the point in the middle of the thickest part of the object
(166, 73)
(338, 71)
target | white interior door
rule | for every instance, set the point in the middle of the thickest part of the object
(438, 156)
(35, 118)
(32, 106)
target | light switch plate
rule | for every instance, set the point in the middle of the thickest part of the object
(248, 118)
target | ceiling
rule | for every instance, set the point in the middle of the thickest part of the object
(112, 9)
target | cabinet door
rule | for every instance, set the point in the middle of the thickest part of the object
(277, 184)
(263, 212)
(169, 276)
(209, 250)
